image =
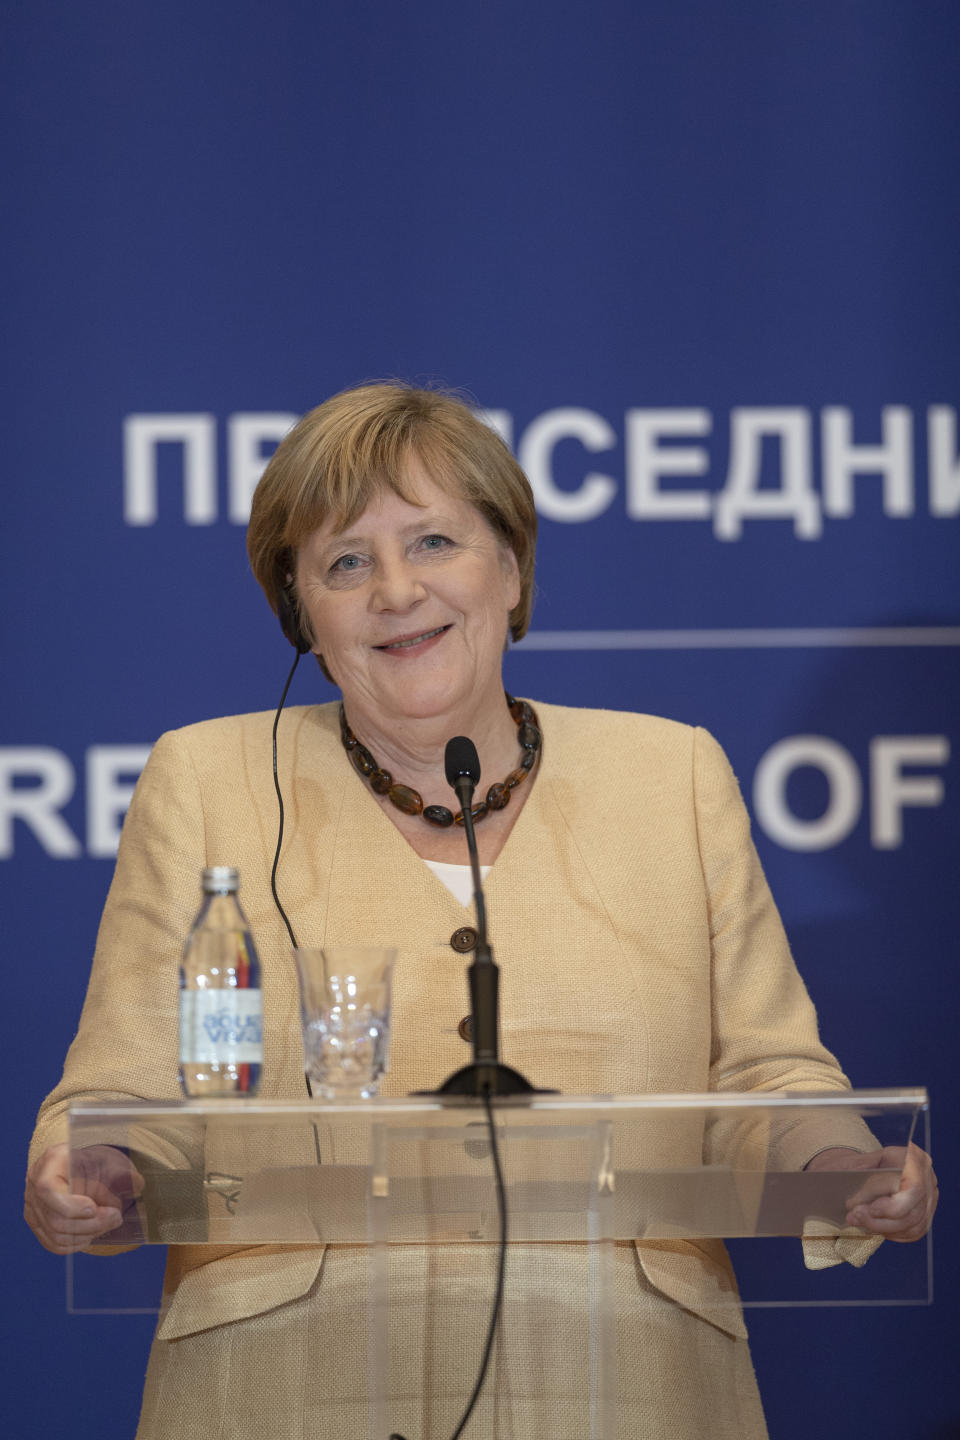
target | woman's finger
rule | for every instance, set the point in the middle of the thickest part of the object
(901, 1213)
(63, 1234)
(907, 1214)
(62, 1220)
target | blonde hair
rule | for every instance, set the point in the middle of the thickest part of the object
(333, 463)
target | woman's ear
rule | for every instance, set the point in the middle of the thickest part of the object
(511, 577)
(288, 613)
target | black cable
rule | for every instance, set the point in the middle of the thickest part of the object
(276, 859)
(276, 786)
(501, 1266)
(501, 1272)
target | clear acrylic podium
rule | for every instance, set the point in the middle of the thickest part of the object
(608, 1199)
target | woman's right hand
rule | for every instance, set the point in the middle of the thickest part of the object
(66, 1217)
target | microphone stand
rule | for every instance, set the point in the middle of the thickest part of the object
(486, 1078)
(486, 1075)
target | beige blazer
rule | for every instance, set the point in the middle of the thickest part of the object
(639, 947)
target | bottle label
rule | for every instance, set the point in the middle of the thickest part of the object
(221, 1027)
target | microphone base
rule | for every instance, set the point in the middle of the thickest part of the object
(486, 1077)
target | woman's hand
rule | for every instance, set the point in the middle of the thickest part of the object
(66, 1217)
(904, 1215)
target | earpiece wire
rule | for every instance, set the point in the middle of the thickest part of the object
(276, 786)
(276, 858)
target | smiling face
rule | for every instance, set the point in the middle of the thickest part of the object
(409, 605)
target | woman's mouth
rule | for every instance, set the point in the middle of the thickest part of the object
(412, 642)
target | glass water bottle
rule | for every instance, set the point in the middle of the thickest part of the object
(221, 1004)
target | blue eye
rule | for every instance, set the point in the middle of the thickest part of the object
(434, 542)
(346, 562)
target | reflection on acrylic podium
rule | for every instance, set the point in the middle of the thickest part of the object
(403, 1194)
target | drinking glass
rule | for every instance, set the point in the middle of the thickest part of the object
(345, 1011)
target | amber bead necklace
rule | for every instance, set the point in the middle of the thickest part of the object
(410, 801)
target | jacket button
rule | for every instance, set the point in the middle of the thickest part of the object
(465, 1028)
(464, 939)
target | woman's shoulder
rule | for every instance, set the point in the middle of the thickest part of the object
(573, 724)
(224, 727)
(211, 741)
(623, 743)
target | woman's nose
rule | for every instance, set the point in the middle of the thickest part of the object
(397, 586)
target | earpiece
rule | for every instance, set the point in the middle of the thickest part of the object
(290, 620)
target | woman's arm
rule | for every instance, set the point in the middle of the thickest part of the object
(126, 1043)
(764, 1025)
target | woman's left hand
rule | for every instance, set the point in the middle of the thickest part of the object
(904, 1215)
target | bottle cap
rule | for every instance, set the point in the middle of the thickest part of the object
(221, 880)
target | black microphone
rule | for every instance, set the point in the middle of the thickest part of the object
(462, 764)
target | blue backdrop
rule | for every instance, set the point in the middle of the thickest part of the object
(700, 264)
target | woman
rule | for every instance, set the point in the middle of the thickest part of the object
(638, 945)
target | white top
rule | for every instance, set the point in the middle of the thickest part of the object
(457, 879)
